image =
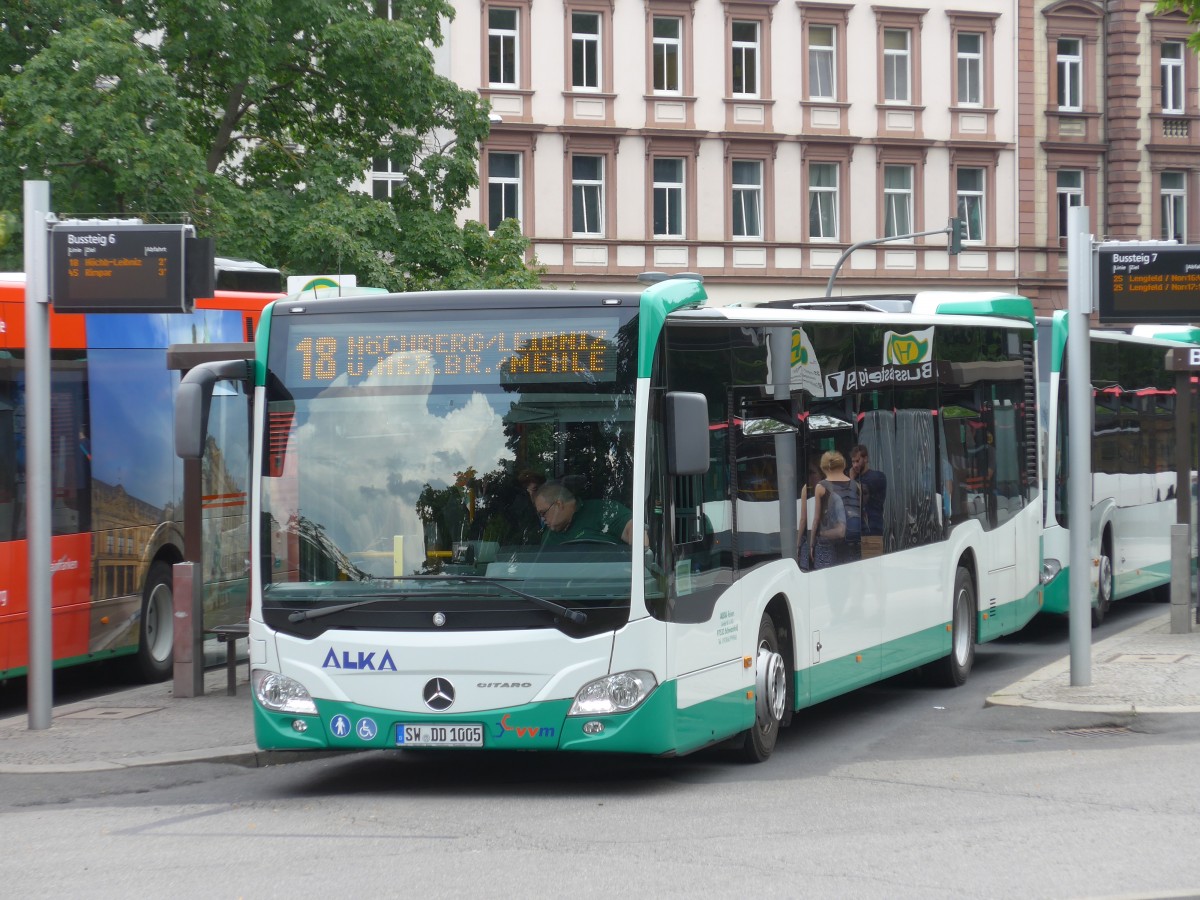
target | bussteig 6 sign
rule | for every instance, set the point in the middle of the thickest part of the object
(118, 267)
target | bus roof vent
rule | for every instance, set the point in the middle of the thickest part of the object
(981, 303)
(883, 303)
(246, 275)
(1184, 334)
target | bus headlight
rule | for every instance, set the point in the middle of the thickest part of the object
(613, 693)
(282, 694)
(1050, 570)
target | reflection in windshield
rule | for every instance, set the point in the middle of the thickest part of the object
(394, 475)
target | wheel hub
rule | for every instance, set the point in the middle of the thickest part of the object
(770, 679)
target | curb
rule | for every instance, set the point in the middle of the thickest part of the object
(245, 755)
(1016, 693)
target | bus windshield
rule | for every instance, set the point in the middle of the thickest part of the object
(406, 443)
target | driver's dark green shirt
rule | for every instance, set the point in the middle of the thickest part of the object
(594, 520)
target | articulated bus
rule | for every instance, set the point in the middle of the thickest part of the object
(117, 485)
(1133, 461)
(569, 519)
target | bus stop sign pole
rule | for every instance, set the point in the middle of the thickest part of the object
(40, 678)
(1079, 452)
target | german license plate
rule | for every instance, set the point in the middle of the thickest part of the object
(458, 735)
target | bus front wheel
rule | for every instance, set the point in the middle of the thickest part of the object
(956, 666)
(1104, 585)
(770, 695)
(156, 629)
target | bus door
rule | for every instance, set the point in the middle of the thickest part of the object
(841, 590)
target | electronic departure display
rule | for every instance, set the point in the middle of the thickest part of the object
(398, 352)
(1149, 283)
(118, 268)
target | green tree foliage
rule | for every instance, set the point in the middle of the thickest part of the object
(255, 119)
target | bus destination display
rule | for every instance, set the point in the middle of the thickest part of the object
(1149, 284)
(394, 353)
(117, 268)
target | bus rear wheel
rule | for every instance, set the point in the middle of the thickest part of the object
(956, 666)
(156, 628)
(770, 695)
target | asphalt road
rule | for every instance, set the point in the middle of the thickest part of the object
(899, 790)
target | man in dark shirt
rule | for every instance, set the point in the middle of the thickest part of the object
(874, 488)
(569, 518)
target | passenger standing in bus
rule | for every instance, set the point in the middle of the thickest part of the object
(837, 500)
(804, 552)
(873, 486)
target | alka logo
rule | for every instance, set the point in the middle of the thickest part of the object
(906, 349)
(522, 731)
(362, 662)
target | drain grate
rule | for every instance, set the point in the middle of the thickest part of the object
(110, 712)
(1095, 731)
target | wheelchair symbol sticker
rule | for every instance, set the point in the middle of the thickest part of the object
(367, 729)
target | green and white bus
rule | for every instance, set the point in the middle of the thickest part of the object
(1133, 462)
(569, 520)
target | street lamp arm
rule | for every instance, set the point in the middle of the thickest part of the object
(883, 240)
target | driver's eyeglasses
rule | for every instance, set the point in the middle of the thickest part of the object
(542, 510)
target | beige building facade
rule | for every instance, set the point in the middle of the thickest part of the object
(754, 142)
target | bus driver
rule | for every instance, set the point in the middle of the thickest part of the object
(568, 518)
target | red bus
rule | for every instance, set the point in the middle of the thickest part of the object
(117, 486)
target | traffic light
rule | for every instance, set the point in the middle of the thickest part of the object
(955, 230)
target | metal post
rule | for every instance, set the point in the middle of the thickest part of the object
(40, 681)
(1181, 579)
(188, 653)
(1079, 451)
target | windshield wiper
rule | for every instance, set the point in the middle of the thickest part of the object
(301, 614)
(572, 615)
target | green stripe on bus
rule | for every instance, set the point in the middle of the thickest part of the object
(261, 338)
(1002, 307)
(655, 727)
(657, 302)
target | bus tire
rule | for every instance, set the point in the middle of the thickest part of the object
(156, 627)
(953, 669)
(1104, 584)
(770, 695)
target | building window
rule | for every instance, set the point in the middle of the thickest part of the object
(668, 197)
(1173, 190)
(747, 199)
(823, 201)
(821, 69)
(668, 49)
(897, 200)
(896, 66)
(1069, 190)
(585, 51)
(970, 202)
(587, 195)
(502, 47)
(970, 69)
(504, 188)
(1171, 63)
(386, 177)
(745, 59)
(1070, 74)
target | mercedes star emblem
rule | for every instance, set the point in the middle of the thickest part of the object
(438, 694)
